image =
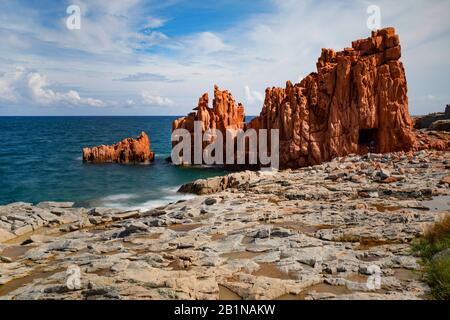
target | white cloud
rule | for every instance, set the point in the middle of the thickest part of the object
(22, 85)
(253, 96)
(198, 44)
(154, 23)
(147, 40)
(155, 100)
(208, 42)
(107, 28)
(146, 77)
(8, 83)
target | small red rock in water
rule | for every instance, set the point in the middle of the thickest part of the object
(127, 151)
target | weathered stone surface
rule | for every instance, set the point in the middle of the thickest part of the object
(445, 180)
(5, 259)
(445, 254)
(217, 184)
(55, 205)
(205, 186)
(425, 122)
(6, 235)
(433, 140)
(127, 151)
(441, 125)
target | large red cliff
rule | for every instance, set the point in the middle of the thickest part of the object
(356, 102)
(127, 151)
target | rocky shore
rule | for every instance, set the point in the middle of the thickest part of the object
(312, 233)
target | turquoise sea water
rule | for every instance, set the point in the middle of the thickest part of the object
(41, 160)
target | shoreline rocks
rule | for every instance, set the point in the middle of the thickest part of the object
(294, 234)
(441, 125)
(127, 151)
(218, 184)
(434, 121)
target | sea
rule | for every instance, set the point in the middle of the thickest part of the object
(41, 160)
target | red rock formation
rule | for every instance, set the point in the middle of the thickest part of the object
(127, 151)
(356, 101)
(224, 114)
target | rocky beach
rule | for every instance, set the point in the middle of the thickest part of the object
(310, 233)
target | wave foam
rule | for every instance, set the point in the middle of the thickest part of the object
(152, 204)
(119, 197)
(122, 201)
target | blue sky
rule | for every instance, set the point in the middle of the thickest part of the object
(153, 57)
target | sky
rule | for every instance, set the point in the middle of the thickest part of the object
(155, 57)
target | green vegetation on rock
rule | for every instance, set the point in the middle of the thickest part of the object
(434, 248)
